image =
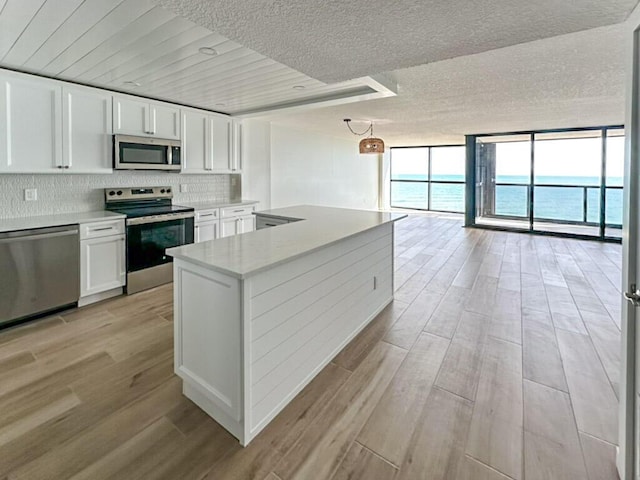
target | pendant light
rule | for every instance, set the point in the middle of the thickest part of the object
(369, 144)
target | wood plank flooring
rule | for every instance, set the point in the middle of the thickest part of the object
(499, 359)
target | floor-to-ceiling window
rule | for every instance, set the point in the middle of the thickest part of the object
(428, 178)
(566, 181)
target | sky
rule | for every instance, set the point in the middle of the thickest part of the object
(554, 158)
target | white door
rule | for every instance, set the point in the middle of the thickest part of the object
(131, 117)
(236, 146)
(220, 134)
(30, 124)
(165, 121)
(195, 142)
(229, 227)
(247, 224)
(628, 455)
(102, 264)
(87, 129)
(206, 231)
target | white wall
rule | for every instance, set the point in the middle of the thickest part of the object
(256, 158)
(315, 169)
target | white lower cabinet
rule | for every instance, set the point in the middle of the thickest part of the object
(205, 231)
(102, 259)
(237, 225)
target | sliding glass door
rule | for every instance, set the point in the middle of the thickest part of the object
(567, 182)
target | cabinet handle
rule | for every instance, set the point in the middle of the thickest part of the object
(102, 229)
(207, 215)
(238, 211)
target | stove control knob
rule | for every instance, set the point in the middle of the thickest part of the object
(162, 191)
(119, 192)
(112, 193)
(168, 190)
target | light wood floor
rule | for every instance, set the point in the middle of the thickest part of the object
(498, 359)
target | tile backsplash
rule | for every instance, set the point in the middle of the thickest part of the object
(67, 193)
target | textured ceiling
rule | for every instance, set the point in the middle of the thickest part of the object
(567, 81)
(336, 40)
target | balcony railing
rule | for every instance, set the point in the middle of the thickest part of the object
(433, 195)
(578, 205)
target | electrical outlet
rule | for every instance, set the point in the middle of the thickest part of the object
(233, 181)
(184, 188)
(30, 194)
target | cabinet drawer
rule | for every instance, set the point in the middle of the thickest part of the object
(207, 215)
(102, 229)
(228, 212)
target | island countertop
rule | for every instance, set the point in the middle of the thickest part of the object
(247, 254)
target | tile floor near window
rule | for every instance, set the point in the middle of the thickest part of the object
(498, 359)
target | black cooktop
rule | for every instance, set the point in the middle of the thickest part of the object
(146, 211)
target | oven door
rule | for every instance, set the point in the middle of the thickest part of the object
(148, 238)
(140, 153)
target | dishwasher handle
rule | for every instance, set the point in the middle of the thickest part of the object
(37, 234)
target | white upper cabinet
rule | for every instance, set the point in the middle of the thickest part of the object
(208, 143)
(236, 146)
(131, 117)
(30, 126)
(165, 121)
(87, 130)
(135, 116)
(220, 132)
(195, 142)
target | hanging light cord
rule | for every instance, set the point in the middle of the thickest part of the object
(369, 128)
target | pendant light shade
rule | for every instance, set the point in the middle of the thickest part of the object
(371, 145)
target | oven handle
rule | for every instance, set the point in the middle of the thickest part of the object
(159, 218)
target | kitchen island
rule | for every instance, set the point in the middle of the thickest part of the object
(258, 315)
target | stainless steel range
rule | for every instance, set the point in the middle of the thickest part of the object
(153, 225)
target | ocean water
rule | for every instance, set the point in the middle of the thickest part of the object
(557, 203)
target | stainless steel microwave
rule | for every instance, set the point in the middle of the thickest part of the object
(142, 153)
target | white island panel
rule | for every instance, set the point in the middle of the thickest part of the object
(208, 354)
(257, 317)
(299, 325)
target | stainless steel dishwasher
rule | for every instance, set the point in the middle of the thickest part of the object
(39, 271)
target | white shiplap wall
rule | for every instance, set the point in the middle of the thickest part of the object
(107, 43)
(83, 193)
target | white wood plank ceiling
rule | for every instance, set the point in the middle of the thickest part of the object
(109, 43)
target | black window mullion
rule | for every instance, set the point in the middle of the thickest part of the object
(429, 178)
(531, 180)
(603, 185)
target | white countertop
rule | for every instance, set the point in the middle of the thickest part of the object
(210, 205)
(43, 221)
(247, 254)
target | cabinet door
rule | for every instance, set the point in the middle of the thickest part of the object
(195, 142)
(102, 264)
(220, 135)
(131, 117)
(30, 124)
(165, 121)
(87, 130)
(206, 231)
(236, 147)
(247, 224)
(229, 227)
